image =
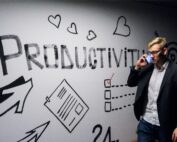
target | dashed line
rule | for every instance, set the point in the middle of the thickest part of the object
(125, 95)
(120, 108)
(121, 85)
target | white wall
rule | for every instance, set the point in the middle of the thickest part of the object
(59, 100)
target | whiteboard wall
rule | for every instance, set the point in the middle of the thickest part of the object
(64, 68)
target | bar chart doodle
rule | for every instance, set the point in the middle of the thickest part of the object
(66, 105)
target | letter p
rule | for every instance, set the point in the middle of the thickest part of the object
(6, 57)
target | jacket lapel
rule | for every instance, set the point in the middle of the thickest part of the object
(167, 73)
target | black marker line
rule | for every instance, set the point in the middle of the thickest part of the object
(70, 110)
(72, 121)
(64, 92)
(63, 103)
(65, 106)
(68, 107)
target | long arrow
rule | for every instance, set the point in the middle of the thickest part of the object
(17, 98)
(35, 134)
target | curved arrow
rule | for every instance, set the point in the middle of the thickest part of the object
(16, 97)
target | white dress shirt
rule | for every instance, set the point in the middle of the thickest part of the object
(151, 114)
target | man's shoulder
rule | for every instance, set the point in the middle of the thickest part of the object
(173, 64)
(172, 68)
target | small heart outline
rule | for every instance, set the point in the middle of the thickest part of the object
(72, 29)
(124, 20)
(91, 35)
(53, 20)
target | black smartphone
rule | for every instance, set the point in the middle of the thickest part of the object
(148, 59)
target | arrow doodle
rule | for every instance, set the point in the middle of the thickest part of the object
(14, 95)
(35, 134)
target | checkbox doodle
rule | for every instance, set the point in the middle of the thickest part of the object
(108, 107)
(114, 102)
(107, 83)
(107, 94)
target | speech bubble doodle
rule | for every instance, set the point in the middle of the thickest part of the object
(91, 35)
(72, 29)
(122, 28)
(55, 20)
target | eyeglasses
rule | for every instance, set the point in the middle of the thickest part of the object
(157, 52)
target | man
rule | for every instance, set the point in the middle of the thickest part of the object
(156, 99)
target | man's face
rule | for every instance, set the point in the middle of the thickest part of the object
(155, 52)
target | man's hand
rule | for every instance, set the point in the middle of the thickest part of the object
(174, 135)
(141, 62)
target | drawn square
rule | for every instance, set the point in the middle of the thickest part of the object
(107, 83)
(107, 107)
(107, 94)
(79, 109)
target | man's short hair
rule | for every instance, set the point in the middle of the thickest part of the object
(158, 40)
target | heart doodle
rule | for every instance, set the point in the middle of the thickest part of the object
(55, 20)
(122, 28)
(72, 29)
(91, 35)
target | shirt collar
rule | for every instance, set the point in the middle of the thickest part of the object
(164, 66)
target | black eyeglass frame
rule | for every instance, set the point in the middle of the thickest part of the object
(157, 52)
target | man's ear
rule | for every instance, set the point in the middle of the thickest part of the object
(165, 51)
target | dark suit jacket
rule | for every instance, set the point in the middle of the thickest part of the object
(167, 99)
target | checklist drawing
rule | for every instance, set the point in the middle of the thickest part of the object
(116, 102)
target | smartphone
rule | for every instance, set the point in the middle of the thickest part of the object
(148, 59)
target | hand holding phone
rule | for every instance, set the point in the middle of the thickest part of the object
(143, 61)
(148, 59)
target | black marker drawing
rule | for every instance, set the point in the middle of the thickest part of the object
(92, 57)
(99, 129)
(4, 57)
(72, 29)
(91, 35)
(55, 50)
(156, 34)
(122, 28)
(55, 20)
(35, 134)
(31, 58)
(109, 104)
(66, 105)
(14, 95)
